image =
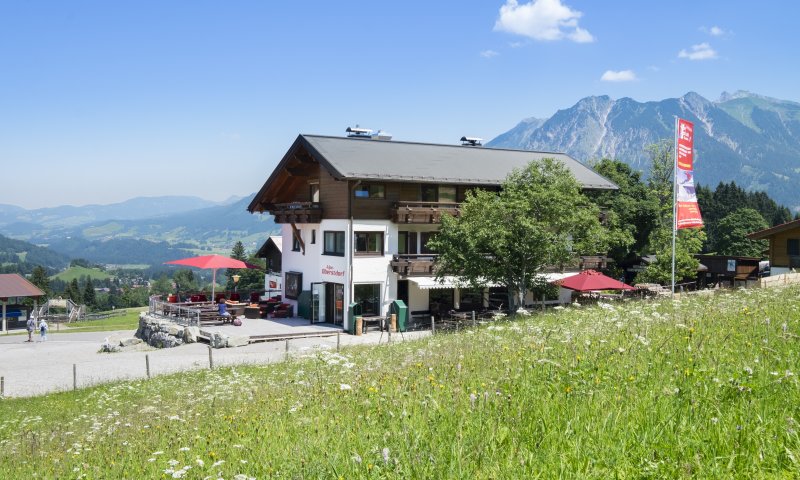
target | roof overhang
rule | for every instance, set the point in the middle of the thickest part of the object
(768, 232)
(15, 285)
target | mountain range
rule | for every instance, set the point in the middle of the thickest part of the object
(141, 230)
(743, 137)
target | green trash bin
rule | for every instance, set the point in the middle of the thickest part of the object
(353, 311)
(399, 308)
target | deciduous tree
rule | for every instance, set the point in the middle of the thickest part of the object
(732, 233)
(539, 218)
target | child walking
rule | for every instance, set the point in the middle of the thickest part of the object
(43, 330)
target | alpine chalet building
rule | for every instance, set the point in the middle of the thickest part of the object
(357, 213)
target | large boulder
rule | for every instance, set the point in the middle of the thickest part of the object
(127, 342)
(190, 334)
(218, 340)
(238, 340)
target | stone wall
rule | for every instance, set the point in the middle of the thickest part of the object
(161, 333)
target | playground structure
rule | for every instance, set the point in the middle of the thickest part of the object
(72, 310)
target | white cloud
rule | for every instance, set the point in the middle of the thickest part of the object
(545, 20)
(701, 51)
(620, 76)
(714, 31)
(489, 54)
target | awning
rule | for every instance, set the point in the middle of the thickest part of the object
(428, 283)
(554, 276)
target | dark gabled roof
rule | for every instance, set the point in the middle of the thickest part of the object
(273, 242)
(14, 285)
(392, 161)
(365, 159)
(768, 232)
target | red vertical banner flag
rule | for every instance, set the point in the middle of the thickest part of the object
(687, 208)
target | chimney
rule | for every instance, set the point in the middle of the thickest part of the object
(471, 141)
(381, 135)
(358, 132)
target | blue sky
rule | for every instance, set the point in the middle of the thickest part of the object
(103, 101)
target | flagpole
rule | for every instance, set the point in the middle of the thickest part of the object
(674, 203)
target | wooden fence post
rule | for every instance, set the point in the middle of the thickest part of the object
(433, 325)
(210, 358)
(287, 349)
(147, 364)
(338, 340)
(74, 376)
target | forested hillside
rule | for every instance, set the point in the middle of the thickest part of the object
(17, 256)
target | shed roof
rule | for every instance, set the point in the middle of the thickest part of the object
(366, 159)
(768, 232)
(15, 285)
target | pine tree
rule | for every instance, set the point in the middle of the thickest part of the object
(89, 297)
(39, 278)
(75, 292)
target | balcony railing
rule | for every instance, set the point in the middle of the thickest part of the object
(296, 212)
(410, 265)
(423, 212)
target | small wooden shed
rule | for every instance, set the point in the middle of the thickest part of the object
(784, 246)
(13, 285)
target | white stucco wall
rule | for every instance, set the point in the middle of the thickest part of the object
(314, 266)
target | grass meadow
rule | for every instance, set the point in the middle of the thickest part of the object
(127, 319)
(703, 388)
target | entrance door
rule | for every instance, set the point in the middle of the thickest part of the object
(334, 303)
(317, 302)
(402, 290)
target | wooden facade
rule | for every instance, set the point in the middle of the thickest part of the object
(784, 244)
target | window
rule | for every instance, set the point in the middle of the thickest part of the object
(296, 243)
(426, 237)
(334, 243)
(369, 243)
(447, 194)
(406, 243)
(368, 295)
(429, 193)
(314, 192)
(471, 299)
(313, 237)
(440, 300)
(793, 246)
(370, 190)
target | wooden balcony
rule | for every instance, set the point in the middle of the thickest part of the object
(296, 212)
(423, 212)
(410, 265)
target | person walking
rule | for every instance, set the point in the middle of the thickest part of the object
(31, 326)
(43, 331)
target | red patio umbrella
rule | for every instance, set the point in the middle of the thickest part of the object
(213, 262)
(592, 280)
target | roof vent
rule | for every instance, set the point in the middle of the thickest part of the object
(358, 132)
(381, 135)
(471, 141)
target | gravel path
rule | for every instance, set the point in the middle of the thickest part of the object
(37, 368)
